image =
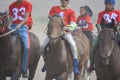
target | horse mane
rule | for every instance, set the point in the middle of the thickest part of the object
(106, 43)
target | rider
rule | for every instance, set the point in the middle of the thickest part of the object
(20, 19)
(106, 19)
(84, 21)
(69, 18)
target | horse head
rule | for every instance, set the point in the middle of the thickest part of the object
(55, 27)
(106, 43)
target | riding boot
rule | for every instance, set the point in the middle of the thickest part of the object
(118, 37)
(43, 55)
(44, 67)
(76, 64)
(92, 55)
(43, 46)
(25, 74)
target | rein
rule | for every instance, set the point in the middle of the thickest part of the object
(8, 33)
(3, 28)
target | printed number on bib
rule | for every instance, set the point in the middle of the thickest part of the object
(109, 18)
(16, 13)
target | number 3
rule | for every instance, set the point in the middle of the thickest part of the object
(16, 11)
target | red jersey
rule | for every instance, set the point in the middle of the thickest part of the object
(85, 23)
(17, 11)
(108, 16)
(67, 14)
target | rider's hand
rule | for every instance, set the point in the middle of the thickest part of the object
(17, 27)
(67, 29)
(98, 27)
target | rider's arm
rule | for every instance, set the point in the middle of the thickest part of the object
(72, 18)
(52, 12)
(98, 25)
(10, 21)
(118, 21)
(24, 21)
(27, 13)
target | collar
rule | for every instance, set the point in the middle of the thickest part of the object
(63, 8)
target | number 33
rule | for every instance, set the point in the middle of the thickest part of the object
(16, 11)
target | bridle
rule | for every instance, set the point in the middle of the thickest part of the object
(62, 24)
(2, 25)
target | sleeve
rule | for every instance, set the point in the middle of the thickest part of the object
(88, 19)
(99, 18)
(10, 10)
(52, 11)
(72, 17)
(118, 19)
(77, 20)
(29, 8)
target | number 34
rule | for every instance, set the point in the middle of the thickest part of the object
(16, 11)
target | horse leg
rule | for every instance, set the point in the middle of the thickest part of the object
(2, 77)
(32, 69)
(81, 67)
(63, 76)
(47, 77)
(118, 78)
(17, 74)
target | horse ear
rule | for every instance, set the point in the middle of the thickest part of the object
(49, 17)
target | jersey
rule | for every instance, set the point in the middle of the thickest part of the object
(17, 11)
(67, 14)
(108, 16)
(85, 23)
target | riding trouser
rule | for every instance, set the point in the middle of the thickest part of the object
(92, 53)
(69, 39)
(24, 34)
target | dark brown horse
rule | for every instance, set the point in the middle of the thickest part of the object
(107, 58)
(59, 61)
(11, 50)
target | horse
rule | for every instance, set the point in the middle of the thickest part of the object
(58, 58)
(11, 52)
(107, 56)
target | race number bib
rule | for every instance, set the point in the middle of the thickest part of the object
(16, 13)
(109, 18)
(83, 24)
(61, 14)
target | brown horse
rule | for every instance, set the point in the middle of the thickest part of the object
(11, 50)
(59, 61)
(107, 58)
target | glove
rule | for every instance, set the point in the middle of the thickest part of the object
(98, 27)
(72, 26)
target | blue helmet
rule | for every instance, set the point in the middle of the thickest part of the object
(111, 1)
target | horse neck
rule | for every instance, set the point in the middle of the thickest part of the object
(108, 46)
(5, 39)
(58, 49)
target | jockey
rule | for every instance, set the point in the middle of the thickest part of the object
(20, 19)
(69, 18)
(108, 18)
(84, 21)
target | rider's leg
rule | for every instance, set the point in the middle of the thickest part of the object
(43, 46)
(69, 38)
(118, 37)
(92, 54)
(23, 32)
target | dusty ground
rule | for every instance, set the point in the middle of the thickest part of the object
(40, 12)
